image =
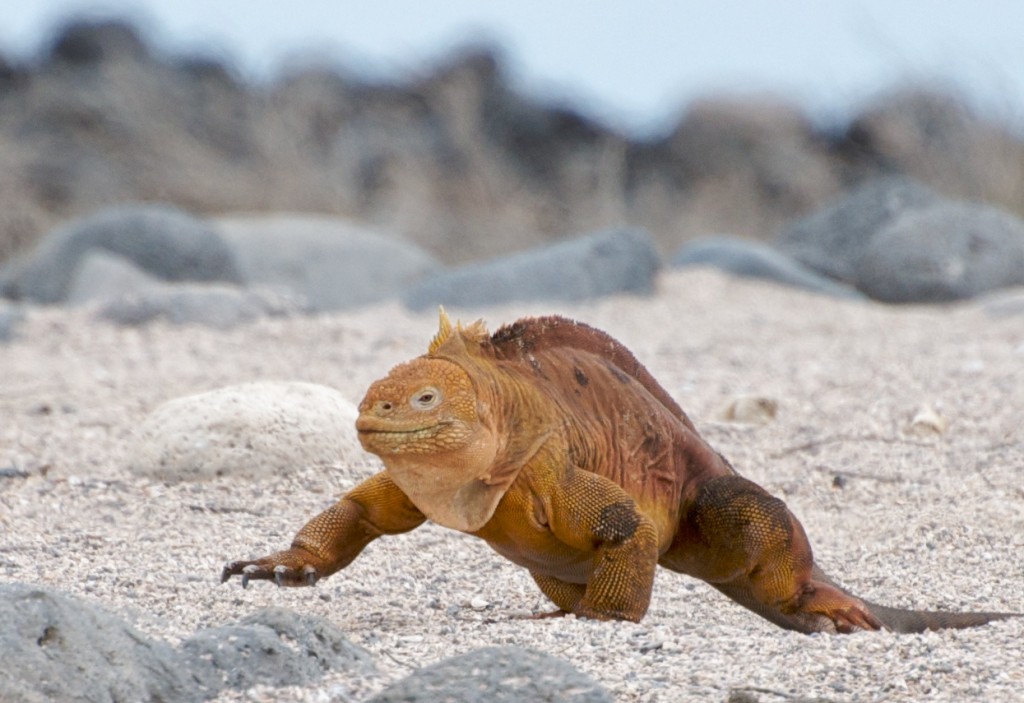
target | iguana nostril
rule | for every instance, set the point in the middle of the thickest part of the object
(383, 406)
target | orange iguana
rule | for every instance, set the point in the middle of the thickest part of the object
(551, 442)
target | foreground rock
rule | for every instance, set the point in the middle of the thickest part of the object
(274, 647)
(56, 647)
(615, 261)
(165, 242)
(496, 675)
(330, 262)
(60, 648)
(252, 430)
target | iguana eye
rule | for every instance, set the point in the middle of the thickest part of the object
(426, 399)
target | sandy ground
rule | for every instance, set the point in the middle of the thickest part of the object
(923, 520)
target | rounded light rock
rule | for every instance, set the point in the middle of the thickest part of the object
(253, 430)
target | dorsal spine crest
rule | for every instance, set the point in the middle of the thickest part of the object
(475, 334)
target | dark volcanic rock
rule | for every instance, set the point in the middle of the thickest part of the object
(833, 239)
(162, 241)
(616, 261)
(330, 262)
(496, 675)
(897, 241)
(744, 257)
(57, 648)
(275, 647)
(949, 251)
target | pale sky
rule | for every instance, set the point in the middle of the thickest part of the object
(634, 64)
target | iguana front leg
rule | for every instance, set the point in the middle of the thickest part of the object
(591, 513)
(566, 596)
(330, 541)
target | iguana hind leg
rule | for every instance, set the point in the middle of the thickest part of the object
(747, 544)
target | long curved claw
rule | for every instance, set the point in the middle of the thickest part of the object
(855, 618)
(289, 568)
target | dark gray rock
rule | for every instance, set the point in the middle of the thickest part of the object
(614, 261)
(275, 647)
(55, 647)
(496, 675)
(163, 241)
(10, 317)
(331, 262)
(744, 257)
(58, 648)
(949, 251)
(833, 239)
(218, 306)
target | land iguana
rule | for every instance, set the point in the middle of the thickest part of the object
(551, 442)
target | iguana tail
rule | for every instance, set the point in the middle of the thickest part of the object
(900, 620)
(910, 621)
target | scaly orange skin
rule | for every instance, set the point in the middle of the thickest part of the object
(552, 443)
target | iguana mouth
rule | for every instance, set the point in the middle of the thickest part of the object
(383, 428)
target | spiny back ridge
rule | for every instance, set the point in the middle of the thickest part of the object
(516, 341)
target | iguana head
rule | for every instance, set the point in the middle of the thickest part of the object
(430, 425)
(423, 407)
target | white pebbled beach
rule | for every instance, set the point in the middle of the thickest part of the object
(926, 515)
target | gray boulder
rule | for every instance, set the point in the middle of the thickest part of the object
(949, 251)
(163, 241)
(496, 675)
(330, 261)
(614, 261)
(833, 239)
(744, 257)
(212, 305)
(274, 647)
(251, 430)
(58, 648)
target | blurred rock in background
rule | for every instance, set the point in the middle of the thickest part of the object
(453, 160)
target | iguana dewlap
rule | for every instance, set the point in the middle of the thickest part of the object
(551, 442)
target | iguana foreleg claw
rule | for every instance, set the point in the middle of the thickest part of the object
(287, 568)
